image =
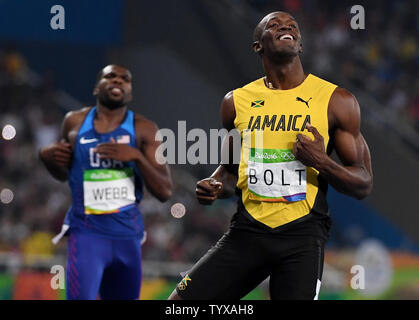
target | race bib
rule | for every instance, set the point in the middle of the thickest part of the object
(274, 175)
(108, 190)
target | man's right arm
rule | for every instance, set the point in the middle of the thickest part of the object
(222, 182)
(57, 156)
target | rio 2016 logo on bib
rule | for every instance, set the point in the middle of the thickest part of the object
(274, 175)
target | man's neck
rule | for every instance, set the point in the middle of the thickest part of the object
(110, 115)
(285, 75)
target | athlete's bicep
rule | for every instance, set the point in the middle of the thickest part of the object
(349, 144)
(231, 152)
(351, 149)
(149, 145)
(71, 124)
(151, 152)
(230, 149)
(66, 126)
(228, 111)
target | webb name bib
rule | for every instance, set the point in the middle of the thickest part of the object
(108, 190)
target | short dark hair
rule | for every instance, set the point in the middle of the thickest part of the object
(99, 76)
(100, 73)
(257, 33)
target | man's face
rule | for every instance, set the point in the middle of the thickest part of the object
(280, 34)
(114, 89)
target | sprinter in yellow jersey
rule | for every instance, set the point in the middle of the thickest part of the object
(290, 122)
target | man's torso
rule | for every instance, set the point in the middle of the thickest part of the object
(275, 190)
(105, 192)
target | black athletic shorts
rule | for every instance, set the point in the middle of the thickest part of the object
(241, 260)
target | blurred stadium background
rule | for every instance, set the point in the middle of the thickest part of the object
(184, 56)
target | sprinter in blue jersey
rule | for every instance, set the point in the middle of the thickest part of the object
(107, 153)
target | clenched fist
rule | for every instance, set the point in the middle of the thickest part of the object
(208, 190)
(310, 152)
(58, 154)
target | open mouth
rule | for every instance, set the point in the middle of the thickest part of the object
(286, 36)
(116, 91)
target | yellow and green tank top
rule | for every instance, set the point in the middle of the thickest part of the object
(275, 188)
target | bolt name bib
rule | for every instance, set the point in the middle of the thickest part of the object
(274, 175)
(108, 190)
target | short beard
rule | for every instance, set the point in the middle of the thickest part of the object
(111, 104)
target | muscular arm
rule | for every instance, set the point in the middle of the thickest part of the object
(221, 183)
(156, 176)
(354, 176)
(57, 156)
(227, 172)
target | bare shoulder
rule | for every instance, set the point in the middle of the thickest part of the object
(144, 124)
(229, 96)
(146, 130)
(72, 122)
(344, 111)
(228, 111)
(75, 117)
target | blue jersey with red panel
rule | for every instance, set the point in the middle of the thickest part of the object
(106, 192)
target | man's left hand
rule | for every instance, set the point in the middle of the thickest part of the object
(116, 151)
(310, 152)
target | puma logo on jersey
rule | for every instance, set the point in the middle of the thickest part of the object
(303, 101)
(83, 140)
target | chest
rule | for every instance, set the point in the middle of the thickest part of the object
(85, 155)
(282, 116)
